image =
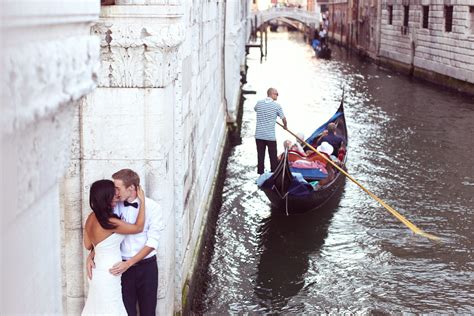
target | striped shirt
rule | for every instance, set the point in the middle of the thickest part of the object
(267, 113)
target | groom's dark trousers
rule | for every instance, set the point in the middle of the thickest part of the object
(140, 284)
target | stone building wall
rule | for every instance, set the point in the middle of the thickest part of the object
(433, 52)
(430, 51)
(338, 21)
(49, 61)
(367, 26)
(355, 23)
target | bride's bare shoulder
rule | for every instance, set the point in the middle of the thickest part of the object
(90, 219)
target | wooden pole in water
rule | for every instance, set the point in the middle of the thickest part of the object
(266, 40)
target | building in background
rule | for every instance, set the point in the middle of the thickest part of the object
(430, 40)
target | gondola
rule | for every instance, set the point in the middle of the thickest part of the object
(324, 52)
(295, 190)
(321, 50)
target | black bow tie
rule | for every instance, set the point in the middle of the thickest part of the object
(134, 204)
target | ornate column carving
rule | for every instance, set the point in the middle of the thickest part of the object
(139, 45)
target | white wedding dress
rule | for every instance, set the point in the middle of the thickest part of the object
(105, 289)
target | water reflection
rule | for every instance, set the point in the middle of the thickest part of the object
(285, 244)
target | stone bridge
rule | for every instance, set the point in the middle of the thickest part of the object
(309, 19)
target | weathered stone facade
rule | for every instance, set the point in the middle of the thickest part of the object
(339, 28)
(49, 61)
(168, 77)
(397, 33)
(446, 52)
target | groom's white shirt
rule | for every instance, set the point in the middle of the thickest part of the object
(150, 236)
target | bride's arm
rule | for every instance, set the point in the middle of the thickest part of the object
(127, 228)
(87, 240)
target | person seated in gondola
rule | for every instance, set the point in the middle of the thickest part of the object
(316, 44)
(298, 145)
(295, 147)
(326, 149)
(287, 145)
(334, 140)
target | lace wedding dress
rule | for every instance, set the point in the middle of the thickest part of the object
(105, 289)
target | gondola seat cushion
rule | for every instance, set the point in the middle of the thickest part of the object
(310, 174)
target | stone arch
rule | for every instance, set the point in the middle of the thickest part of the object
(305, 23)
(308, 19)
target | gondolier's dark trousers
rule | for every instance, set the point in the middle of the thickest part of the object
(272, 152)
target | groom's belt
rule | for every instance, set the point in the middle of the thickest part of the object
(143, 261)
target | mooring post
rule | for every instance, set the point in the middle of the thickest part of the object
(266, 40)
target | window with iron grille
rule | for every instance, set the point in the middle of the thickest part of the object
(406, 12)
(426, 13)
(390, 14)
(448, 15)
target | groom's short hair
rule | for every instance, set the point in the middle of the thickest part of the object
(128, 177)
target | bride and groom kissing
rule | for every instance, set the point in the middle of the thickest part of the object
(122, 235)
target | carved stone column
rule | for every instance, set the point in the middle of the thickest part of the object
(128, 122)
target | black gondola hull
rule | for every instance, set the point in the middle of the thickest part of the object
(297, 205)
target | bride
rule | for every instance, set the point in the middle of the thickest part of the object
(103, 232)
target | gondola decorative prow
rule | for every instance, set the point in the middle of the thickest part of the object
(282, 179)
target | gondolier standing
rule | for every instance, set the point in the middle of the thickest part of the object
(267, 112)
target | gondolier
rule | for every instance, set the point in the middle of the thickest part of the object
(267, 112)
(305, 182)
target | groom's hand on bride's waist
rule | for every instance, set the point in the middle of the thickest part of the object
(120, 267)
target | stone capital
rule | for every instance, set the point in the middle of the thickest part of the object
(139, 45)
(147, 2)
(122, 33)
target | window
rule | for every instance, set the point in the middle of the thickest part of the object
(426, 13)
(448, 15)
(390, 14)
(406, 12)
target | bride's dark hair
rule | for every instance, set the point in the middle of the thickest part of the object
(100, 199)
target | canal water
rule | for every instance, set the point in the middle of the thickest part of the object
(410, 143)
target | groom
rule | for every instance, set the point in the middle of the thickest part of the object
(139, 268)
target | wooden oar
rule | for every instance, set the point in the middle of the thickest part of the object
(399, 216)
